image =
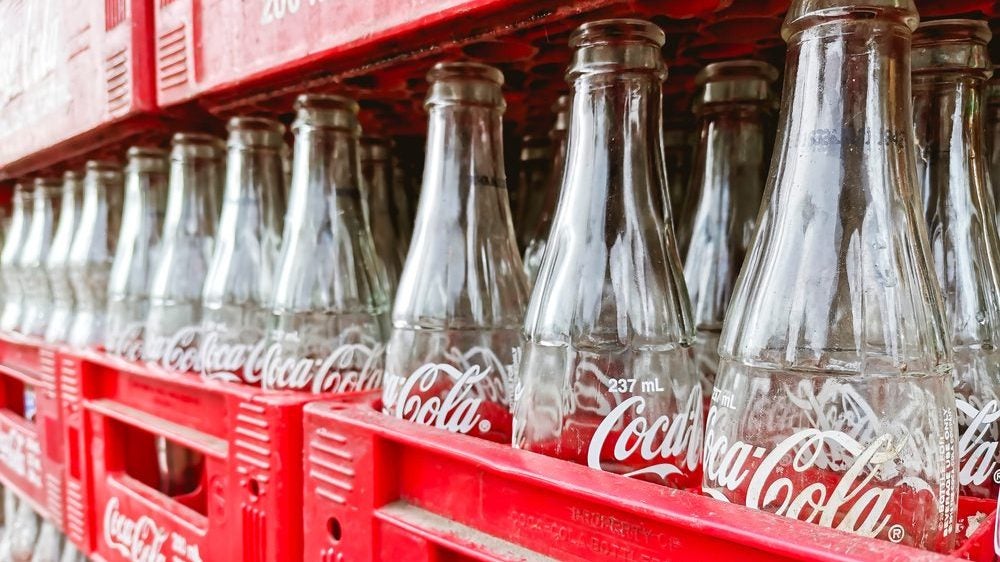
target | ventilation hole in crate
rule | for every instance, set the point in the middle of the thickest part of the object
(253, 486)
(333, 527)
(506, 50)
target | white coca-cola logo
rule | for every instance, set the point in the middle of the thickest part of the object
(138, 540)
(651, 440)
(861, 504)
(977, 451)
(457, 411)
(231, 361)
(176, 352)
(128, 343)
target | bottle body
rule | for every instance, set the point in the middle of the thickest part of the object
(539, 235)
(37, 294)
(377, 173)
(10, 266)
(57, 262)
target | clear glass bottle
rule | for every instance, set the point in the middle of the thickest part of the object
(238, 284)
(536, 243)
(730, 165)
(137, 251)
(376, 169)
(950, 67)
(37, 303)
(532, 185)
(405, 191)
(57, 262)
(329, 318)
(992, 108)
(10, 267)
(460, 301)
(678, 156)
(92, 251)
(833, 402)
(186, 245)
(607, 369)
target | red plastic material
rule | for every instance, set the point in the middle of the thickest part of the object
(250, 507)
(75, 76)
(382, 489)
(31, 452)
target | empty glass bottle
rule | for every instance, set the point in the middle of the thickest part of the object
(608, 372)
(950, 67)
(10, 266)
(330, 305)
(376, 169)
(727, 180)
(137, 251)
(533, 182)
(238, 284)
(678, 155)
(92, 251)
(992, 108)
(461, 297)
(57, 262)
(37, 306)
(536, 244)
(833, 403)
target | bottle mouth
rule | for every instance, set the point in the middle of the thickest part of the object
(72, 176)
(951, 45)
(736, 81)
(102, 170)
(195, 145)
(254, 132)
(327, 111)
(374, 148)
(536, 147)
(471, 83)
(48, 185)
(617, 45)
(146, 159)
(806, 13)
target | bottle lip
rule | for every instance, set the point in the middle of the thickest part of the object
(465, 83)
(374, 147)
(467, 70)
(951, 45)
(72, 175)
(735, 81)
(48, 182)
(195, 145)
(254, 132)
(616, 30)
(326, 110)
(617, 46)
(805, 13)
(536, 147)
(102, 170)
(146, 159)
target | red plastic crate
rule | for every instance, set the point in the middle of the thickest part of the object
(251, 440)
(75, 75)
(31, 452)
(380, 488)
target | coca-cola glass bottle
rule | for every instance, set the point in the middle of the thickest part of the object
(186, 246)
(47, 545)
(461, 298)
(37, 296)
(24, 533)
(950, 67)
(730, 165)
(10, 269)
(535, 170)
(607, 369)
(833, 403)
(92, 251)
(404, 192)
(540, 233)
(137, 251)
(57, 262)
(992, 108)
(329, 317)
(238, 284)
(678, 156)
(376, 169)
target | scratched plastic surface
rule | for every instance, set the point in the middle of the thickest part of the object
(381, 489)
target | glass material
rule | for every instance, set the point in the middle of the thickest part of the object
(239, 281)
(93, 250)
(404, 193)
(532, 185)
(950, 67)
(992, 108)
(727, 181)
(10, 267)
(137, 251)
(678, 156)
(376, 169)
(57, 262)
(461, 297)
(833, 402)
(608, 372)
(330, 311)
(536, 244)
(37, 297)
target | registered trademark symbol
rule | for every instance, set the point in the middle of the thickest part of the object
(896, 533)
(996, 477)
(484, 426)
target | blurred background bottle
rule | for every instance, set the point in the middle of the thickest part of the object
(37, 296)
(57, 262)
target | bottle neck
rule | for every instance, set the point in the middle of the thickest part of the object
(253, 196)
(960, 209)
(191, 211)
(326, 182)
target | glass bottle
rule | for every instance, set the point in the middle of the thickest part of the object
(607, 369)
(137, 251)
(533, 175)
(37, 306)
(238, 284)
(329, 318)
(536, 244)
(376, 169)
(13, 298)
(174, 319)
(950, 67)
(92, 251)
(833, 402)
(405, 191)
(677, 153)
(57, 262)
(461, 297)
(992, 108)
(730, 165)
